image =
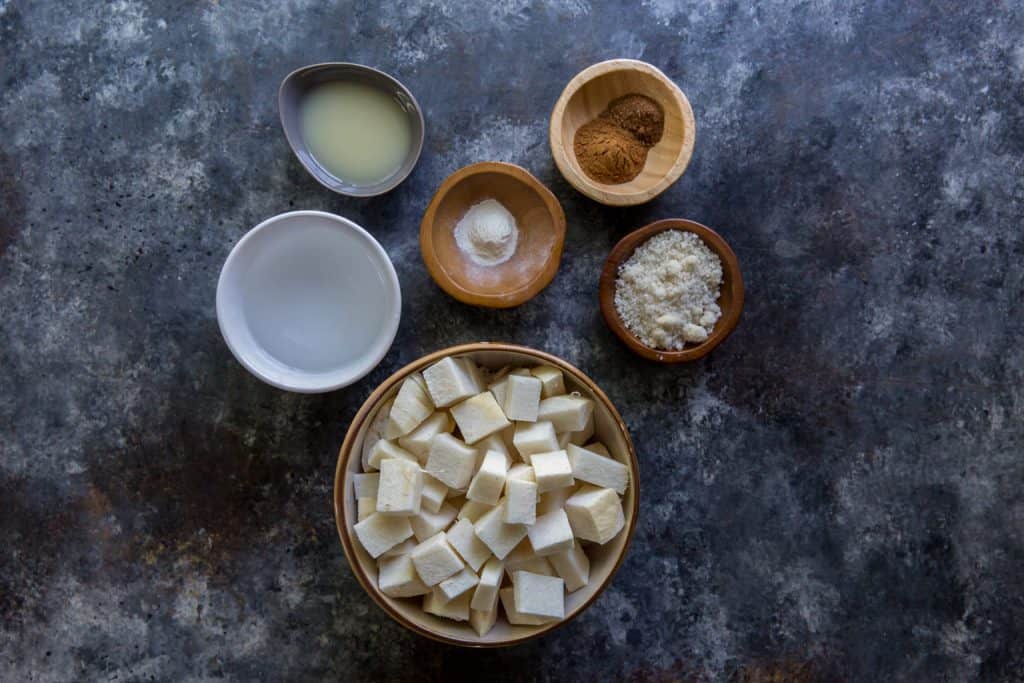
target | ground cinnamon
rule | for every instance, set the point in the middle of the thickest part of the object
(607, 153)
(612, 149)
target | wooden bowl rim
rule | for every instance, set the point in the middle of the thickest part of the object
(731, 274)
(363, 414)
(512, 297)
(598, 191)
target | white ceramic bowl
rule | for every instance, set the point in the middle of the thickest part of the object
(308, 301)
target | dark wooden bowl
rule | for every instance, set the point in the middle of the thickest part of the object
(730, 300)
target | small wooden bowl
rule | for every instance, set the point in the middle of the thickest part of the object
(604, 559)
(588, 94)
(541, 224)
(730, 299)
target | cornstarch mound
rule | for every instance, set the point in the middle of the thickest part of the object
(666, 291)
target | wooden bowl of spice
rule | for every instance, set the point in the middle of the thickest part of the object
(622, 132)
(672, 291)
(492, 235)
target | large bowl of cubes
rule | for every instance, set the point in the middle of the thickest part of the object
(486, 494)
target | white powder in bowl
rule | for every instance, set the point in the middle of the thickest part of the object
(666, 291)
(487, 233)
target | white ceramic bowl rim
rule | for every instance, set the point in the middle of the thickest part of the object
(298, 380)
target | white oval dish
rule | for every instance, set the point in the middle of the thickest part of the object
(308, 301)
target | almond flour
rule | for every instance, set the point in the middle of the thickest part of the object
(666, 291)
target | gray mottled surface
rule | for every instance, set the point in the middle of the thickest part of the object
(834, 494)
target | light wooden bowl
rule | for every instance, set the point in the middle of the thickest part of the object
(604, 559)
(538, 215)
(588, 94)
(730, 299)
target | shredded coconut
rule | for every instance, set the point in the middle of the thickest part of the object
(666, 291)
(487, 233)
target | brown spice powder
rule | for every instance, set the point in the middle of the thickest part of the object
(638, 114)
(607, 153)
(612, 149)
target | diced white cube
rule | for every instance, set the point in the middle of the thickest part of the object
(365, 485)
(479, 416)
(522, 398)
(499, 388)
(486, 594)
(567, 413)
(403, 548)
(375, 432)
(521, 471)
(451, 461)
(495, 442)
(516, 618)
(411, 407)
(397, 577)
(456, 585)
(584, 435)
(552, 382)
(434, 493)
(365, 507)
(418, 441)
(595, 514)
(534, 437)
(462, 537)
(496, 534)
(521, 553)
(476, 374)
(573, 566)
(551, 533)
(552, 470)
(435, 560)
(449, 381)
(400, 489)
(533, 564)
(538, 595)
(489, 480)
(380, 533)
(599, 448)
(483, 621)
(507, 435)
(434, 602)
(427, 524)
(598, 470)
(383, 450)
(555, 500)
(474, 510)
(520, 501)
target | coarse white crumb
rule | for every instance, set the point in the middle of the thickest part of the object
(666, 291)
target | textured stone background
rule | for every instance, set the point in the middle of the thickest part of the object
(834, 494)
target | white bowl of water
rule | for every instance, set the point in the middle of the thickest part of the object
(308, 301)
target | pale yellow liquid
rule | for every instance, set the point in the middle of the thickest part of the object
(358, 133)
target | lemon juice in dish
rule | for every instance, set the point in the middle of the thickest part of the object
(358, 133)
